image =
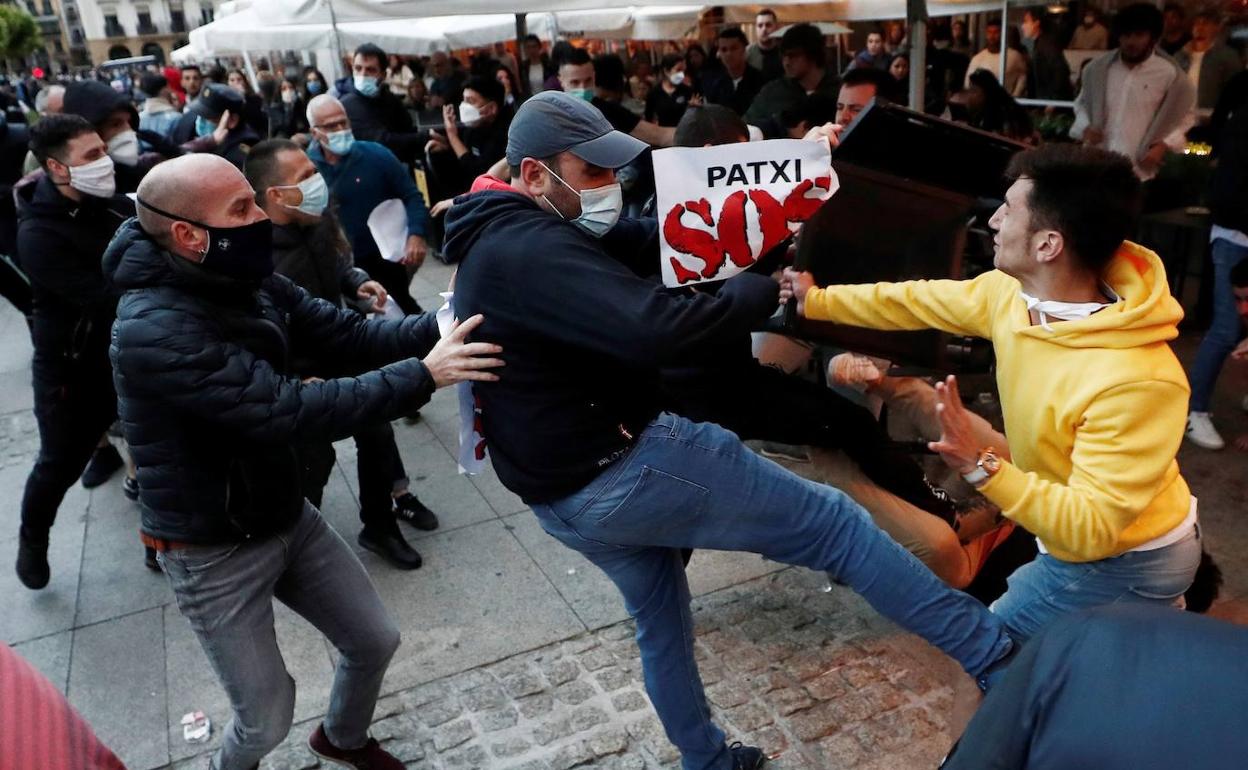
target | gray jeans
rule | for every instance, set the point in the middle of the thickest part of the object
(227, 592)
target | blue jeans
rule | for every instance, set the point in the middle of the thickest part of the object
(1224, 330)
(1049, 588)
(227, 592)
(694, 485)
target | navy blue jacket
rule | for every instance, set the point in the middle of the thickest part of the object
(583, 337)
(207, 401)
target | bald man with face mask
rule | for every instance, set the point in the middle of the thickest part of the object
(201, 352)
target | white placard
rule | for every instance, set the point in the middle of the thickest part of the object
(722, 208)
(472, 452)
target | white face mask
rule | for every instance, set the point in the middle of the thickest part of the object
(124, 148)
(315, 195)
(468, 114)
(288, 97)
(600, 206)
(677, 78)
(95, 178)
(1065, 311)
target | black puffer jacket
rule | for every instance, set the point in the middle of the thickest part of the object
(60, 242)
(206, 400)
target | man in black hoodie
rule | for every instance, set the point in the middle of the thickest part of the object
(310, 249)
(201, 354)
(66, 219)
(576, 428)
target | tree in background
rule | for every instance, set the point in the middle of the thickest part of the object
(19, 35)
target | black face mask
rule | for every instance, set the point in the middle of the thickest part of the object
(244, 253)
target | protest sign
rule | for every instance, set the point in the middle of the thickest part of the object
(722, 208)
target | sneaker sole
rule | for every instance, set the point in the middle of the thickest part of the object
(386, 557)
(1205, 444)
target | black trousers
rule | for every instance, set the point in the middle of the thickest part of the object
(379, 468)
(759, 402)
(71, 419)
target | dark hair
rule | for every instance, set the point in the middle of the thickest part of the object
(532, 39)
(1039, 13)
(152, 83)
(861, 76)
(766, 12)
(1001, 114)
(52, 132)
(712, 124)
(1140, 17)
(993, 22)
(560, 51)
(609, 72)
(576, 57)
(368, 51)
(1089, 195)
(805, 38)
(670, 60)
(733, 33)
(186, 67)
(262, 162)
(1239, 274)
(489, 88)
(216, 74)
(241, 74)
(1208, 14)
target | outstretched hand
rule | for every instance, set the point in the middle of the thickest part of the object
(957, 445)
(794, 285)
(454, 360)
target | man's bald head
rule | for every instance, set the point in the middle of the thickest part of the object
(195, 191)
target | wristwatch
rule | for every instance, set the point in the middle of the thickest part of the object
(985, 467)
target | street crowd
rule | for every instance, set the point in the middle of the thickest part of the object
(211, 309)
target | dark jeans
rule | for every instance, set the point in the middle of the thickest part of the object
(71, 420)
(379, 468)
(759, 402)
(393, 276)
(226, 592)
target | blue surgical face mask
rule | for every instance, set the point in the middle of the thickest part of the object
(340, 142)
(204, 126)
(366, 85)
(315, 87)
(586, 94)
(315, 195)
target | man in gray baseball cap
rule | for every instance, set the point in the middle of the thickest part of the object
(577, 429)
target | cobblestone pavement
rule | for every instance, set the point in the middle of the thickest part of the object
(805, 671)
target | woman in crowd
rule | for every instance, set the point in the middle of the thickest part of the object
(254, 111)
(511, 95)
(287, 116)
(314, 83)
(991, 108)
(399, 75)
(899, 69)
(417, 95)
(695, 64)
(666, 103)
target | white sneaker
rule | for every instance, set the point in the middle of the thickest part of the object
(1200, 431)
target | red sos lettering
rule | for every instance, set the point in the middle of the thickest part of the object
(731, 239)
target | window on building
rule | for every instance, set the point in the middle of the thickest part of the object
(205, 15)
(177, 20)
(145, 23)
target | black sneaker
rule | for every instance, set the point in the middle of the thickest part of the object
(747, 757)
(32, 563)
(409, 508)
(130, 488)
(390, 546)
(149, 559)
(105, 461)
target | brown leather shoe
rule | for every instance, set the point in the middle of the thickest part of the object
(370, 756)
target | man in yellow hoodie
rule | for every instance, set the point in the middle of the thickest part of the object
(1094, 400)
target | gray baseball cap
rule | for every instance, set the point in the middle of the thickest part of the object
(553, 122)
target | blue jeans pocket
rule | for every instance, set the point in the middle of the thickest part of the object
(656, 498)
(201, 558)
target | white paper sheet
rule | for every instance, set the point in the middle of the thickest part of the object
(472, 453)
(388, 225)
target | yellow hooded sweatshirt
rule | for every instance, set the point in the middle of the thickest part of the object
(1094, 409)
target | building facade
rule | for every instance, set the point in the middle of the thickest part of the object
(100, 30)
